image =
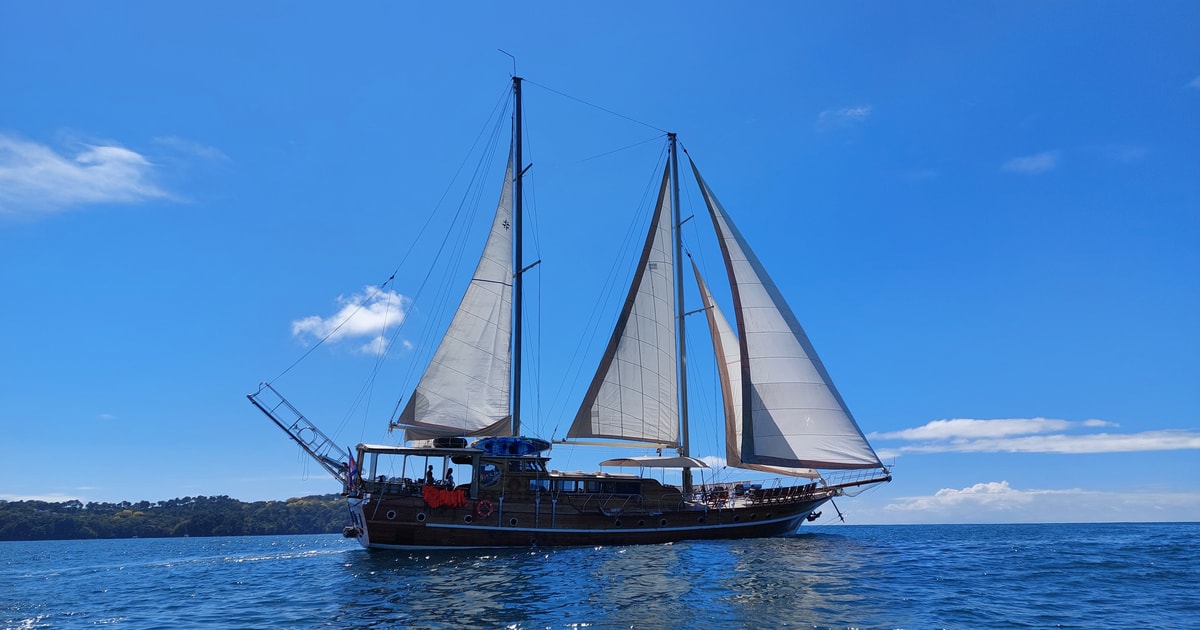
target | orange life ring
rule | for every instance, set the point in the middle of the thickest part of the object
(483, 508)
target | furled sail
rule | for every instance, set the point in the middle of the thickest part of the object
(634, 394)
(729, 369)
(465, 390)
(792, 415)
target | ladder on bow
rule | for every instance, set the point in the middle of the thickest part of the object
(303, 432)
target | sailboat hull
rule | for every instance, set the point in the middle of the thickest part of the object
(408, 523)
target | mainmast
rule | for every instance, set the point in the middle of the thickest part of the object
(680, 339)
(518, 266)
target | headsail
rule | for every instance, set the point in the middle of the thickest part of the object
(729, 369)
(792, 415)
(465, 390)
(634, 394)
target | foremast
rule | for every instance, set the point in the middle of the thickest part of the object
(518, 172)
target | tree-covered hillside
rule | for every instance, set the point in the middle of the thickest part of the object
(189, 516)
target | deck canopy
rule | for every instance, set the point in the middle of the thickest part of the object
(656, 462)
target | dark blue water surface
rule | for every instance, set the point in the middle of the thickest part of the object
(939, 576)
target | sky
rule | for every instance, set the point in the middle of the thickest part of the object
(986, 215)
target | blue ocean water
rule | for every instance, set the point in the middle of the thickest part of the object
(939, 576)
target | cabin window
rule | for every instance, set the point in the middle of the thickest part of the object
(567, 485)
(489, 474)
(539, 485)
(627, 487)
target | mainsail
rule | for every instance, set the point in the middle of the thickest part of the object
(465, 389)
(791, 414)
(634, 394)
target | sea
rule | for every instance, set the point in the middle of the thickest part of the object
(836, 576)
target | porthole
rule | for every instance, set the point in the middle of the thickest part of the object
(513, 521)
(736, 518)
(421, 517)
(467, 519)
(391, 515)
(617, 523)
(641, 523)
(662, 523)
(700, 519)
(768, 515)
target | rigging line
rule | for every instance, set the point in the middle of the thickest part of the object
(631, 241)
(501, 104)
(625, 148)
(488, 153)
(589, 104)
(498, 111)
(471, 203)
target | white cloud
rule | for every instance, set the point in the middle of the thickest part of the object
(843, 117)
(997, 501)
(1032, 164)
(107, 416)
(1194, 83)
(36, 179)
(969, 428)
(368, 314)
(1033, 435)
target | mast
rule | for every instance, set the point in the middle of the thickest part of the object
(518, 266)
(680, 339)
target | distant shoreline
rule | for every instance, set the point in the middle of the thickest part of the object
(174, 518)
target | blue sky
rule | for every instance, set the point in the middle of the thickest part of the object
(986, 215)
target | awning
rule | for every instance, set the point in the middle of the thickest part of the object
(656, 462)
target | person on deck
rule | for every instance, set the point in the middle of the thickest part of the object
(450, 477)
(429, 476)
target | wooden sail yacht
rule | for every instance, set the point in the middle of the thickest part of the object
(782, 414)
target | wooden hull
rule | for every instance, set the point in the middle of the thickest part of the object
(408, 523)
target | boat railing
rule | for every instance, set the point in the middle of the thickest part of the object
(843, 479)
(727, 494)
(392, 486)
(606, 503)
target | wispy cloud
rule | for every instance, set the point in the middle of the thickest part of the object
(183, 145)
(1194, 83)
(1032, 435)
(842, 117)
(37, 179)
(1123, 153)
(53, 497)
(998, 501)
(1032, 164)
(368, 314)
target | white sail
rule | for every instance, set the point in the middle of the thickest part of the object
(634, 394)
(465, 390)
(729, 370)
(793, 416)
